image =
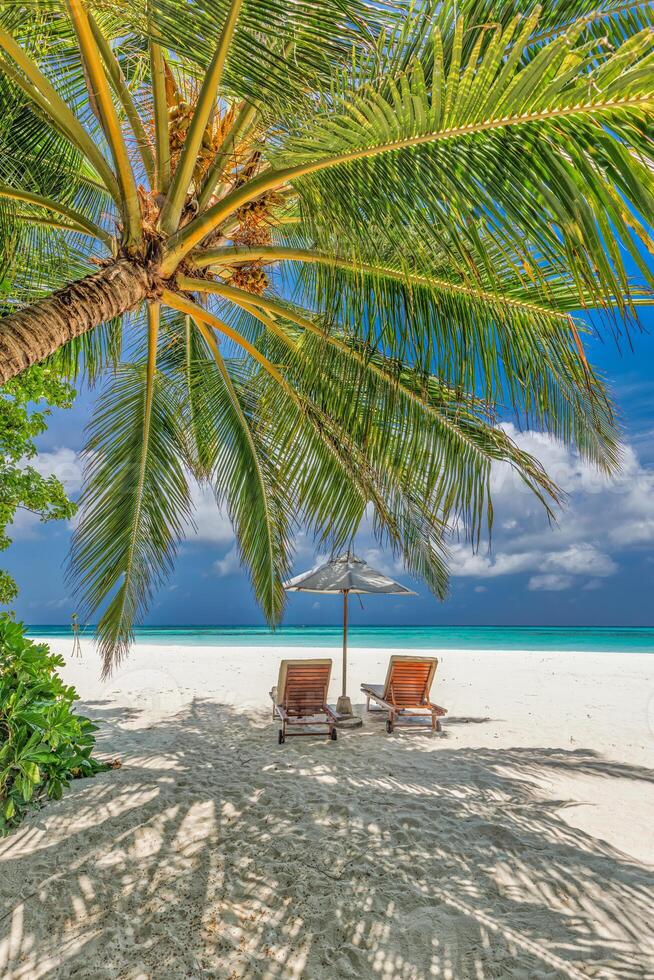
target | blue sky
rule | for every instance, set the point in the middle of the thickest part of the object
(596, 567)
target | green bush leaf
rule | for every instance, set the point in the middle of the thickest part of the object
(24, 787)
(43, 743)
(55, 789)
(31, 771)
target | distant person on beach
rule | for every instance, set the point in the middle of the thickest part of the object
(77, 646)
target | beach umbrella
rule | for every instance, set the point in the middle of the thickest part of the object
(347, 575)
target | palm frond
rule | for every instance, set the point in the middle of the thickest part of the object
(243, 475)
(493, 131)
(540, 370)
(22, 70)
(204, 109)
(91, 356)
(122, 90)
(101, 97)
(280, 50)
(135, 506)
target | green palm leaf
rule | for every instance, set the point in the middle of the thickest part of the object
(489, 134)
(90, 357)
(135, 506)
(243, 475)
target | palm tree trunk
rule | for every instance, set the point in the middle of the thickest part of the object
(31, 334)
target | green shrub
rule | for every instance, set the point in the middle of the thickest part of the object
(43, 743)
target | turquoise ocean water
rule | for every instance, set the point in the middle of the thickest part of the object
(534, 638)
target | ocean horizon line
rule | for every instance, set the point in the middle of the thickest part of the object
(638, 639)
(337, 626)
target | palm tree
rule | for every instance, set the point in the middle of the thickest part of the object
(316, 250)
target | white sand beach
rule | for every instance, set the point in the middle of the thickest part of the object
(520, 844)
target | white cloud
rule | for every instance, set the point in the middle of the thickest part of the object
(581, 559)
(24, 525)
(51, 603)
(211, 522)
(600, 518)
(58, 603)
(64, 463)
(304, 551)
(466, 563)
(228, 564)
(549, 583)
(383, 561)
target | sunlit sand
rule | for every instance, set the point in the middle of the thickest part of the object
(518, 844)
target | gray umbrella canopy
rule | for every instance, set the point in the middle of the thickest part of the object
(345, 574)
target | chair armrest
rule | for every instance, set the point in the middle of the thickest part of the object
(378, 699)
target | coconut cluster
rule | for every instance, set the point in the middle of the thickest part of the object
(253, 231)
(253, 228)
(180, 114)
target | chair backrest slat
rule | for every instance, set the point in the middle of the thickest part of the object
(409, 680)
(304, 684)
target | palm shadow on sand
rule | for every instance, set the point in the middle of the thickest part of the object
(215, 853)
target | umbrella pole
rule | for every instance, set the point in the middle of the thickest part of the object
(345, 642)
(344, 705)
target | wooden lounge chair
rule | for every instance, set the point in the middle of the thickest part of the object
(406, 692)
(300, 698)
